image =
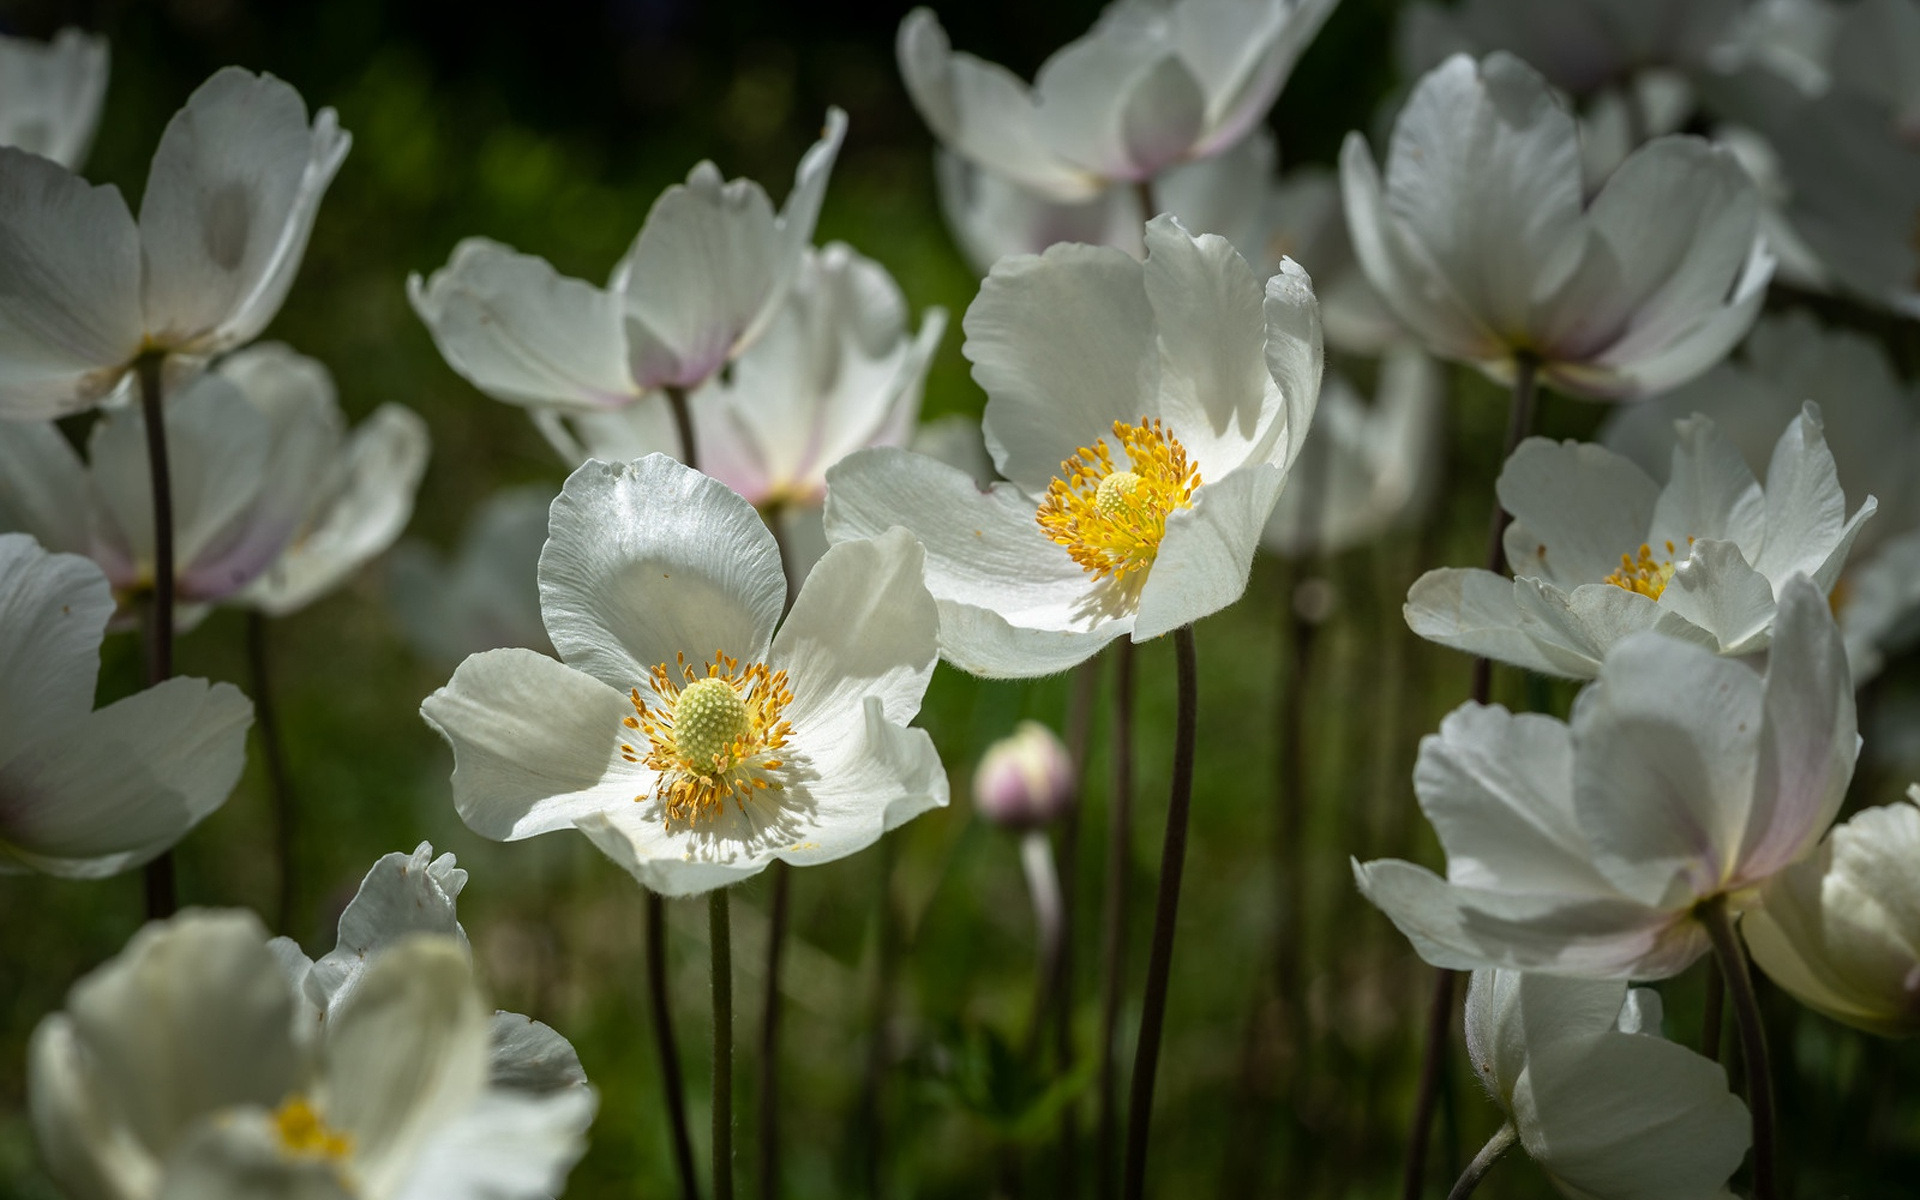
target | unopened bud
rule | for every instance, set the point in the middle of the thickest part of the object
(1024, 780)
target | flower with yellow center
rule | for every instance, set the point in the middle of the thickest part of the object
(690, 766)
(1589, 847)
(1145, 416)
(193, 1065)
(1600, 551)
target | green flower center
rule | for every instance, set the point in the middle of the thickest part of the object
(710, 721)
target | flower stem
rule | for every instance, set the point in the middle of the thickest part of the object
(1113, 920)
(162, 896)
(1043, 887)
(671, 1083)
(1440, 1009)
(1173, 857)
(767, 1143)
(879, 1042)
(1502, 1141)
(1753, 1039)
(720, 942)
(683, 425)
(1716, 1007)
(266, 723)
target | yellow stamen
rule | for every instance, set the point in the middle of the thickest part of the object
(712, 735)
(304, 1135)
(1111, 521)
(1643, 573)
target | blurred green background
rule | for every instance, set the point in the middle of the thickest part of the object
(551, 127)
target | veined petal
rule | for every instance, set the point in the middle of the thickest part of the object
(53, 616)
(1481, 613)
(403, 894)
(649, 560)
(1710, 493)
(863, 625)
(1296, 357)
(1715, 590)
(126, 782)
(1064, 344)
(1207, 553)
(234, 188)
(1577, 508)
(530, 1057)
(536, 744)
(520, 331)
(69, 289)
(1806, 512)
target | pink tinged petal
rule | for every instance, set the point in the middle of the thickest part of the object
(69, 289)
(43, 487)
(863, 625)
(1216, 393)
(1715, 590)
(536, 744)
(1808, 736)
(234, 188)
(1498, 788)
(1064, 344)
(1212, 36)
(1710, 493)
(1207, 552)
(53, 615)
(1576, 509)
(1593, 937)
(1012, 604)
(126, 782)
(649, 560)
(1664, 770)
(521, 332)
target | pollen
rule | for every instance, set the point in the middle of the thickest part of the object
(1111, 519)
(716, 732)
(303, 1134)
(1643, 573)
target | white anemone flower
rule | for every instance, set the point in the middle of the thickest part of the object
(691, 744)
(702, 280)
(50, 94)
(486, 595)
(1841, 930)
(1599, 550)
(274, 503)
(85, 291)
(183, 1068)
(408, 894)
(1872, 427)
(1588, 849)
(86, 792)
(1609, 1108)
(1235, 194)
(1152, 84)
(1145, 415)
(1367, 469)
(1483, 242)
(838, 369)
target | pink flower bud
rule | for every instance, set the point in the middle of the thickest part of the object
(1024, 780)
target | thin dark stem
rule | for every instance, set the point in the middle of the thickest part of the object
(1166, 911)
(1043, 888)
(1716, 1007)
(1440, 1009)
(1502, 1141)
(767, 1147)
(1753, 1039)
(266, 723)
(1290, 828)
(720, 943)
(162, 895)
(671, 1083)
(683, 426)
(1113, 922)
(1144, 190)
(1079, 724)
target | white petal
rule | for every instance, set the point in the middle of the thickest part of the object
(507, 1147)
(1710, 493)
(863, 625)
(1064, 345)
(43, 487)
(1295, 356)
(536, 744)
(192, 1017)
(530, 1057)
(1012, 604)
(1806, 513)
(53, 615)
(1715, 590)
(234, 188)
(402, 894)
(78, 1126)
(50, 94)
(69, 289)
(403, 1055)
(379, 475)
(1505, 620)
(1510, 1015)
(1119, 102)
(649, 560)
(1257, 52)
(239, 1156)
(1576, 509)
(1207, 552)
(126, 782)
(521, 332)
